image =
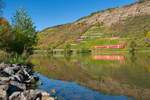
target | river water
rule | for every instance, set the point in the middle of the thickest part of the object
(120, 76)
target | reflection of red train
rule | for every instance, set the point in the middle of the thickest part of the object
(108, 57)
(109, 47)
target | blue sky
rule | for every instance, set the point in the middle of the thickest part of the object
(47, 13)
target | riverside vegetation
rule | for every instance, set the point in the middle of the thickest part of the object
(18, 38)
(17, 42)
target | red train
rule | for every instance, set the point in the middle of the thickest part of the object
(109, 47)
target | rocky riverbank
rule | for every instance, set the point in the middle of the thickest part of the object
(15, 80)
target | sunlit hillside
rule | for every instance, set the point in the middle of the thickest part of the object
(121, 25)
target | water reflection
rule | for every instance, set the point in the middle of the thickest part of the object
(129, 77)
(104, 57)
(72, 91)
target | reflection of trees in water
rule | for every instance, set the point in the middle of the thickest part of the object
(99, 76)
(67, 56)
(132, 57)
(107, 85)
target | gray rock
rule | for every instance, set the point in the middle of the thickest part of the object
(26, 73)
(19, 85)
(42, 95)
(14, 65)
(9, 71)
(20, 96)
(31, 95)
(16, 78)
(14, 81)
(15, 68)
(15, 96)
(32, 80)
(4, 79)
(21, 77)
(3, 92)
(2, 66)
(118, 15)
(12, 78)
(26, 95)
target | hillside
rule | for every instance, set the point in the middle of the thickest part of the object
(112, 26)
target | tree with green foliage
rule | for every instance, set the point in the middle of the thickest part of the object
(132, 46)
(68, 48)
(20, 37)
(148, 34)
(142, 1)
(5, 36)
(24, 33)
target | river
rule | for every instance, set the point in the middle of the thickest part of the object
(119, 76)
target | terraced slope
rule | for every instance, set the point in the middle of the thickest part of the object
(131, 22)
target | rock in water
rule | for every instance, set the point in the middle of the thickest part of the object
(53, 91)
(40, 83)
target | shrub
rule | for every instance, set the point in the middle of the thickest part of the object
(140, 1)
(148, 34)
(83, 50)
(132, 46)
(68, 48)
